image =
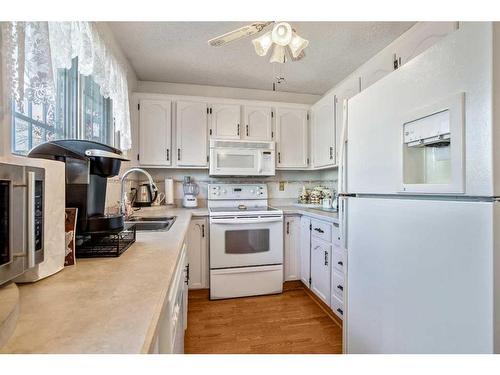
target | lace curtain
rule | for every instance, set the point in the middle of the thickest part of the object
(35, 50)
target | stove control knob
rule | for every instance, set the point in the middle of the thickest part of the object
(251, 191)
(216, 193)
(224, 191)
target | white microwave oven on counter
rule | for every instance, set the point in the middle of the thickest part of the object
(242, 158)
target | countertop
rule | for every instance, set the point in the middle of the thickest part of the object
(316, 213)
(103, 305)
(109, 305)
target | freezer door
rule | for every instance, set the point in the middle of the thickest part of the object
(419, 276)
(377, 115)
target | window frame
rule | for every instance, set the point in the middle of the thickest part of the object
(73, 126)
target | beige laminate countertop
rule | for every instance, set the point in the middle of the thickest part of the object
(311, 212)
(103, 305)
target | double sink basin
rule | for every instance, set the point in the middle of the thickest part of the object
(158, 223)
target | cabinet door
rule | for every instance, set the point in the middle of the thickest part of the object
(257, 123)
(291, 134)
(155, 131)
(197, 249)
(192, 140)
(377, 67)
(323, 132)
(305, 250)
(421, 37)
(321, 269)
(292, 248)
(225, 121)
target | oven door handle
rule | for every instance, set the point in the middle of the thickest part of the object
(246, 221)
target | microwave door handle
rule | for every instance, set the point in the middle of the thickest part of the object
(246, 221)
(259, 162)
(31, 219)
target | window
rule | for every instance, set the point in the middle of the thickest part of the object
(79, 111)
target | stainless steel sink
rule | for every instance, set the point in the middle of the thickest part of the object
(162, 223)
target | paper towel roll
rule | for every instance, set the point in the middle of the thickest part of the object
(169, 191)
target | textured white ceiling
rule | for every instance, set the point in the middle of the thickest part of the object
(178, 52)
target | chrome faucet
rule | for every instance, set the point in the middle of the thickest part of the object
(123, 209)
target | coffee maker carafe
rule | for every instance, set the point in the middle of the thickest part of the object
(88, 166)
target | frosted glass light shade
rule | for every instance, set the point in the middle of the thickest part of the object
(297, 45)
(282, 33)
(262, 44)
(278, 55)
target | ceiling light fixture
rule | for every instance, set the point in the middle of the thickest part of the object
(286, 42)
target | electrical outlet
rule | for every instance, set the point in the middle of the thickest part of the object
(282, 185)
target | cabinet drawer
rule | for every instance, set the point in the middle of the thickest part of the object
(338, 285)
(338, 307)
(338, 259)
(321, 230)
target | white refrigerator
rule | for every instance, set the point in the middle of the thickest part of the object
(419, 210)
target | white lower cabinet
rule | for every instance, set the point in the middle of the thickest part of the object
(321, 269)
(291, 242)
(197, 250)
(173, 321)
(305, 250)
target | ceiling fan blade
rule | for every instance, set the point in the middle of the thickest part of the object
(240, 33)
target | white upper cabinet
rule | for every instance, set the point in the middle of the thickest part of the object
(423, 36)
(411, 44)
(257, 123)
(192, 137)
(323, 150)
(155, 129)
(225, 121)
(292, 139)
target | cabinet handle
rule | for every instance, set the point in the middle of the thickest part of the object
(331, 152)
(203, 230)
(178, 154)
(247, 131)
(326, 259)
(187, 274)
(287, 227)
(279, 157)
(340, 287)
(340, 311)
(168, 154)
(340, 263)
(319, 230)
(238, 129)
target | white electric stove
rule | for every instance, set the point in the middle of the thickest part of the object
(246, 241)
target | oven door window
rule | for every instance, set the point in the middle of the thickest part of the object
(4, 222)
(246, 241)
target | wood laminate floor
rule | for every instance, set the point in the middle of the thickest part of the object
(284, 323)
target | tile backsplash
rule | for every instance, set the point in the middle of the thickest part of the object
(291, 181)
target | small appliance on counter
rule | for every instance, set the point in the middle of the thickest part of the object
(145, 196)
(88, 167)
(22, 215)
(191, 190)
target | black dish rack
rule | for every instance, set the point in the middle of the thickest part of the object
(106, 243)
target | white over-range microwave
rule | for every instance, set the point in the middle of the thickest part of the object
(242, 158)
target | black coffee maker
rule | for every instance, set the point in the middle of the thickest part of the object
(88, 167)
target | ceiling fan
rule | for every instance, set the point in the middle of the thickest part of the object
(287, 43)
